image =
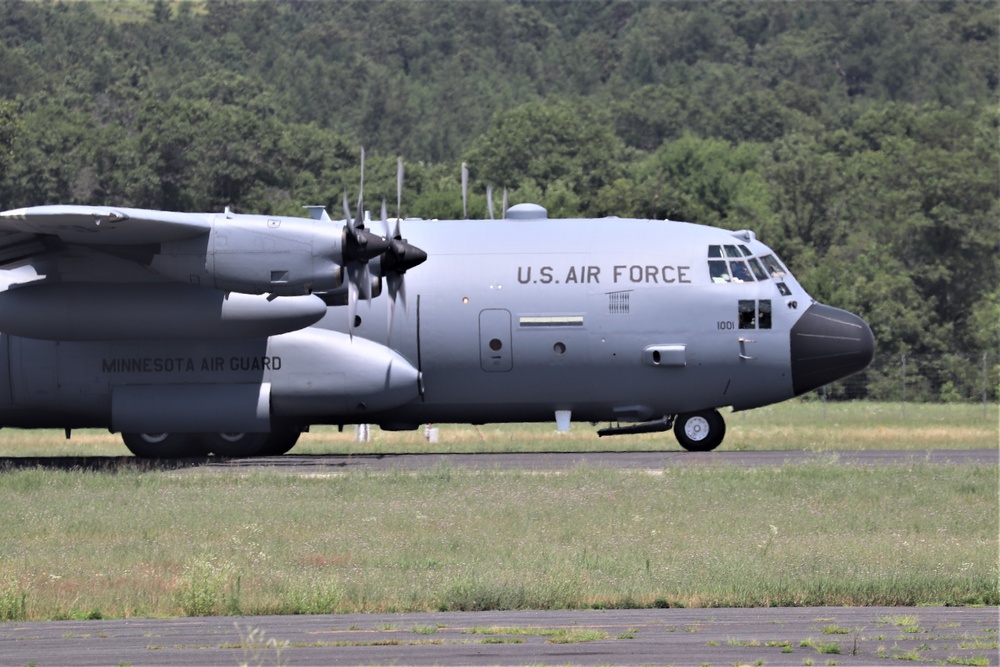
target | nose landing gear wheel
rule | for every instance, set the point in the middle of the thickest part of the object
(700, 431)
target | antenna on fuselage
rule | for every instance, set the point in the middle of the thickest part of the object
(465, 191)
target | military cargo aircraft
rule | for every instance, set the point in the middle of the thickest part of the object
(224, 333)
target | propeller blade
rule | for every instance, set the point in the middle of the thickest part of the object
(401, 291)
(395, 281)
(465, 191)
(347, 210)
(489, 198)
(505, 207)
(352, 302)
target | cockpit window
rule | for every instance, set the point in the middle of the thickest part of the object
(741, 274)
(764, 314)
(737, 264)
(747, 314)
(757, 269)
(719, 271)
(773, 266)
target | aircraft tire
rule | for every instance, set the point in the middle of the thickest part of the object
(235, 445)
(700, 431)
(280, 442)
(161, 445)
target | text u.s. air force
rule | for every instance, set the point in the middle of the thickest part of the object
(619, 274)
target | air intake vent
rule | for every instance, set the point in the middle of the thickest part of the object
(618, 303)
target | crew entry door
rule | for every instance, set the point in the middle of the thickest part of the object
(495, 353)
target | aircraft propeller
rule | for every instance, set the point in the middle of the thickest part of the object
(400, 256)
(359, 247)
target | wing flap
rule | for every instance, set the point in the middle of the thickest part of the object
(105, 225)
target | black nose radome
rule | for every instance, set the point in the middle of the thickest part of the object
(828, 344)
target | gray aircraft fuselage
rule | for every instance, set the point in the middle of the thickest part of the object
(514, 320)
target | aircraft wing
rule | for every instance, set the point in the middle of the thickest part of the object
(96, 225)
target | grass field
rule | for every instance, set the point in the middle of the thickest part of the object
(790, 425)
(131, 543)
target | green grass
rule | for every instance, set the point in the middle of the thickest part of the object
(975, 661)
(132, 543)
(795, 424)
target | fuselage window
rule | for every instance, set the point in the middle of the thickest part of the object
(783, 288)
(718, 271)
(745, 250)
(731, 251)
(714, 251)
(758, 270)
(741, 274)
(748, 312)
(764, 314)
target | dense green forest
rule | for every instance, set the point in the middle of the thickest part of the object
(859, 139)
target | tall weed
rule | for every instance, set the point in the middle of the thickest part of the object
(13, 601)
(208, 587)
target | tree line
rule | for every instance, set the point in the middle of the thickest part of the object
(858, 139)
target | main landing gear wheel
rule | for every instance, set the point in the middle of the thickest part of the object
(161, 445)
(279, 442)
(234, 444)
(700, 431)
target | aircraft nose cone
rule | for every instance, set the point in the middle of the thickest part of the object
(828, 344)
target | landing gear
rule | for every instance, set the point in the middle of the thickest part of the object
(280, 441)
(162, 445)
(700, 431)
(180, 445)
(233, 444)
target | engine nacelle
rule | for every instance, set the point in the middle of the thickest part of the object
(257, 254)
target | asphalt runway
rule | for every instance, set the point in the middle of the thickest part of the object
(537, 461)
(772, 637)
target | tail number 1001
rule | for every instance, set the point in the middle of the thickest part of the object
(725, 325)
